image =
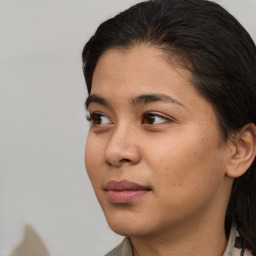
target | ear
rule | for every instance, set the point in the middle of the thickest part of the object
(243, 151)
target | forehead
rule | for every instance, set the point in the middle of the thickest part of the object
(124, 74)
(145, 66)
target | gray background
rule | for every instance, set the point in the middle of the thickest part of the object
(43, 182)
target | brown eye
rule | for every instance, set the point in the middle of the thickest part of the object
(150, 118)
(98, 119)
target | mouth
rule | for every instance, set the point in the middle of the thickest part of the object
(124, 191)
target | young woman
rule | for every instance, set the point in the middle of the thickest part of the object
(172, 143)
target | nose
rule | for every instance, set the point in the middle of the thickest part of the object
(122, 148)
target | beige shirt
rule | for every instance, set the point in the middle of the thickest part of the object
(232, 249)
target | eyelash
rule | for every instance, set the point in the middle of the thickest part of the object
(150, 115)
(95, 117)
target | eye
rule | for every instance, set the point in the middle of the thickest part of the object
(151, 118)
(98, 119)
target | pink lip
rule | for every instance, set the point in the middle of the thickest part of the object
(124, 191)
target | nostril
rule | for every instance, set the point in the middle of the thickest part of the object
(122, 161)
(108, 163)
(125, 160)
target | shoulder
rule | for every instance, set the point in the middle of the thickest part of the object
(236, 244)
(239, 247)
(123, 249)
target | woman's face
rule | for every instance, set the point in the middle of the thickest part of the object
(154, 153)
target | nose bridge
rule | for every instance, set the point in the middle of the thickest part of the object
(122, 145)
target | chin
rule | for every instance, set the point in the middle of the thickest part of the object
(127, 224)
(127, 229)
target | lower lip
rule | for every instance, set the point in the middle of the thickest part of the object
(125, 196)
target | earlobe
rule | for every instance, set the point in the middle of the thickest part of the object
(243, 151)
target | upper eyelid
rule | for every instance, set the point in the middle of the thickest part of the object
(159, 115)
(98, 113)
(154, 114)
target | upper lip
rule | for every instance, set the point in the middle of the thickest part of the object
(124, 185)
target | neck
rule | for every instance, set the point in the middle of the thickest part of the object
(194, 240)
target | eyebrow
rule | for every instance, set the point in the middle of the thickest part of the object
(139, 100)
(97, 99)
(149, 98)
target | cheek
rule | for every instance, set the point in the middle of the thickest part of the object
(187, 167)
(93, 159)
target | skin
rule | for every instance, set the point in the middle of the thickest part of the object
(177, 153)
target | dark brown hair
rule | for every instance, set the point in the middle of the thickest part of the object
(212, 44)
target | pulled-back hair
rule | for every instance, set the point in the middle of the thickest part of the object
(200, 36)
